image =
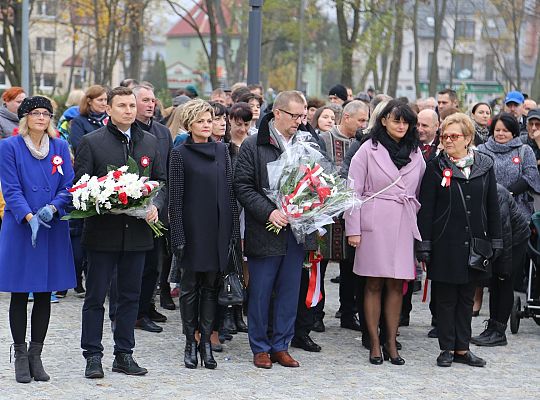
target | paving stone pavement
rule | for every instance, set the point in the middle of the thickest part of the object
(340, 371)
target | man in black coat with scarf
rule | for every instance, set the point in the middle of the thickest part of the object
(116, 244)
(275, 260)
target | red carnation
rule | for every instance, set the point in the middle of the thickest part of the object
(123, 198)
(323, 192)
(117, 174)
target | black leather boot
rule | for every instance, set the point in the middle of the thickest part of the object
(241, 326)
(228, 321)
(34, 359)
(22, 367)
(190, 354)
(207, 358)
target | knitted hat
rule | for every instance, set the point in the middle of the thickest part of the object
(31, 103)
(179, 100)
(339, 91)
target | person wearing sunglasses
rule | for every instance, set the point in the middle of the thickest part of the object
(459, 202)
(35, 249)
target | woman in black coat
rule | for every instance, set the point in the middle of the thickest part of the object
(516, 232)
(459, 202)
(204, 219)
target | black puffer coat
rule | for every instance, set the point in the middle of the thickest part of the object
(108, 146)
(515, 230)
(442, 221)
(250, 179)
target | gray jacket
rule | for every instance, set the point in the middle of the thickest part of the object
(8, 122)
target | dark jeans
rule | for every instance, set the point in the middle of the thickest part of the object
(150, 275)
(127, 267)
(454, 311)
(79, 258)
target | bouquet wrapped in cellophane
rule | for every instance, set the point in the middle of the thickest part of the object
(121, 191)
(307, 188)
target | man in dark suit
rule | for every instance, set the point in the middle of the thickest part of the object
(116, 244)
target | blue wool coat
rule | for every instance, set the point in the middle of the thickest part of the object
(28, 184)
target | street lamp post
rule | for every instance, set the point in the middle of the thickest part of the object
(25, 53)
(254, 41)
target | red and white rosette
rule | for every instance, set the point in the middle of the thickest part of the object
(57, 162)
(447, 176)
(145, 161)
(516, 160)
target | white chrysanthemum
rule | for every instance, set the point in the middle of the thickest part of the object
(107, 205)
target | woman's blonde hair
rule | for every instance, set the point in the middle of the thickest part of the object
(23, 128)
(192, 111)
(465, 124)
(374, 115)
(174, 123)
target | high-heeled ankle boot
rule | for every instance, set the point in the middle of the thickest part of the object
(22, 367)
(34, 360)
(190, 354)
(239, 320)
(207, 358)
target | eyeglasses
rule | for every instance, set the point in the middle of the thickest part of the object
(453, 137)
(44, 114)
(293, 116)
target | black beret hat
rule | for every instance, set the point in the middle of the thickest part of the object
(31, 103)
(339, 91)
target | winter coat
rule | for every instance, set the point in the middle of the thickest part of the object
(387, 223)
(8, 122)
(250, 180)
(108, 146)
(442, 220)
(525, 139)
(84, 124)
(515, 230)
(514, 161)
(202, 206)
(165, 144)
(29, 184)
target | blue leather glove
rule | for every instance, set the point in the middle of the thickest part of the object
(45, 213)
(34, 223)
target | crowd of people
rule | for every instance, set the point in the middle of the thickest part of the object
(443, 191)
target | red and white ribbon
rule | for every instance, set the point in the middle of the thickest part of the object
(145, 161)
(314, 294)
(447, 176)
(57, 162)
(516, 160)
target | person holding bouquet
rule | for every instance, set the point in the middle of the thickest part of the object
(204, 220)
(116, 244)
(35, 250)
(386, 173)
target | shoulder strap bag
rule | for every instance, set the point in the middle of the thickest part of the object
(232, 291)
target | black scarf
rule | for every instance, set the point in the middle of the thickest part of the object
(399, 152)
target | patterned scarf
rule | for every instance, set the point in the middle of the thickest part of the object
(464, 163)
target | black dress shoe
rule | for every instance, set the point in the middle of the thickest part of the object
(126, 364)
(445, 358)
(306, 343)
(147, 325)
(156, 316)
(470, 359)
(223, 336)
(394, 360)
(375, 360)
(166, 301)
(351, 323)
(93, 369)
(318, 326)
(433, 334)
(336, 279)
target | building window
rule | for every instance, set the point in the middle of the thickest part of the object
(45, 79)
(2, 78)
(411, 59)
(464, 30)
(45, 44)
(45, 8)
(490, 67)
(463, 66)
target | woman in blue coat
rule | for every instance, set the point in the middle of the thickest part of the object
(35, 249)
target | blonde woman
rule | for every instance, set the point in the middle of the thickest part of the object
(35, 251)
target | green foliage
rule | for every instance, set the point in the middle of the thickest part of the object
(157, 74)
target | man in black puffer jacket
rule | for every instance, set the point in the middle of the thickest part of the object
(116, 244)
(275, 260)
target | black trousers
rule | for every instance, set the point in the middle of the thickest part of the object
(41, 313)
(350, 298)
(319, 308)
(198, 302)
(501, 288)
(406, 306)
(454, 311)
(152, 262)
(127, 267)
(433, 304)
(305, 317)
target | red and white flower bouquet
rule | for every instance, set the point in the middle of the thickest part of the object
(122, 191)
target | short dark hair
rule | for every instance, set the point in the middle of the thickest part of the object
(240, 111)
(481, 103)
(452, 95)
(129, 81)
(509, 121)
(219, 109)
(247, 97)
(397, 109)
(315, 102)
(239, 92)
(118, 91)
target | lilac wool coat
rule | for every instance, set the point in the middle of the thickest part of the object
(387, 223)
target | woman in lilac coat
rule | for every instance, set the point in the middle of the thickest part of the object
(386, 173)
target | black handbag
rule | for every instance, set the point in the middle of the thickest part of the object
(232, 291)
(480, 250)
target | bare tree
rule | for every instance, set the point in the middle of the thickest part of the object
(11, 40)
(395, 64)
(438, 16)
(347, 40)
(136, 35)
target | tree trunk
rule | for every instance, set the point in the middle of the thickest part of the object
(73, 55)
(10, 57)
(136, 12)
(454, 46)
(516, 28)
(417, 87)
(210, 11)
(434, 71)
(535, 89)
(395, 64)
(347, 43)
